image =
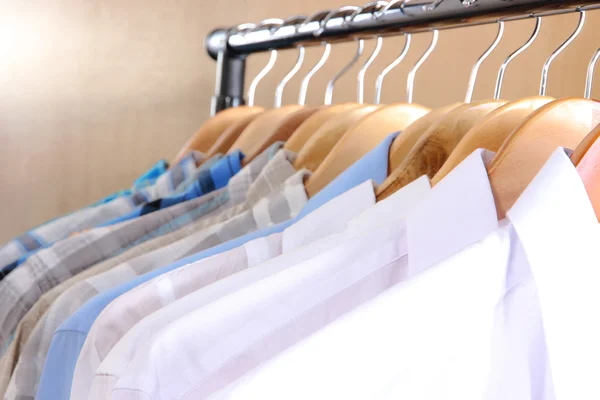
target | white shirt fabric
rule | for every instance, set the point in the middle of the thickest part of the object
(510, 317)
(169, 296)
(236, 333)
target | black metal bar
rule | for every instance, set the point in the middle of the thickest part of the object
(414, 18)
(229, 91)
(230, 48)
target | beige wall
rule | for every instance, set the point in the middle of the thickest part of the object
(94, 92)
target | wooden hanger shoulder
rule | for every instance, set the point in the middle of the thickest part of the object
(231, 134)
(313, 123)
(271, 126)
(434, 148)
(404, 143)
(587, 160)
(361, 139)
(209, 131)
(491, 132)
(563, 123)
(325, 138)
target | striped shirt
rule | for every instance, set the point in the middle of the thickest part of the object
(45, 235)
(263, 184)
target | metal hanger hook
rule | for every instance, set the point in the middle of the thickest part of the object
(320, 63)
(361, 45)
(484, 56)
(365, 67)
(376, 5)
(510, 58)
(410, 87)
(270, 24)
(590, 75)
(331, 85)
(301, 52)
(391, 66)
(560, 49)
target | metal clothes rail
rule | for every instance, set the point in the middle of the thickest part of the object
(231, 46)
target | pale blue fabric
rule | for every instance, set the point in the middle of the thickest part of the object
(55, 383)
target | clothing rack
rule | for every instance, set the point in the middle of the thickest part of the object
(231, 46)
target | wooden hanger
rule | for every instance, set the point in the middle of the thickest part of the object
(586, 158)
(403, 144)
(210, 130)
(231, 134)
(313, 123)
(434, 148)
(271, 126)
(563, 122)
(362, 138)
(324, 139)
(491, 132)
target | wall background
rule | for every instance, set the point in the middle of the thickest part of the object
(94, 92)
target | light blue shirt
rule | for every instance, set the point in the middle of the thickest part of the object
(57, 377)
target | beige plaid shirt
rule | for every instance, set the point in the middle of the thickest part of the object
(272, 198)
(207, 211)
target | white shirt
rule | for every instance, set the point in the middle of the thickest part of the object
(510, 317)
(171, 295)
(236, 333)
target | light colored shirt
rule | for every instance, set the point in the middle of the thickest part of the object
(263, 189)
(165, 291)
(320, 223)
(510, 317)
(68, 340)
(253, 324)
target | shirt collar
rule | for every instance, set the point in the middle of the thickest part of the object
(277, 168)
(459, 212)
(240, 184)
(396, 207)
(559, 232)
(373, 166)
(333, 216)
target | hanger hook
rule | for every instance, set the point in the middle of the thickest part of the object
(269, 24)
(510, 58)
(590, 75)
(376, 6)
(301, 52)
(484, 56)
(555, 53)
(320, 63)
(410, 87)
(365, 67)
(392, 65)
(359, 51)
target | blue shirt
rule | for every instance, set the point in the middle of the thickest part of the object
(208, 180)
(146, 179)
(55, 383)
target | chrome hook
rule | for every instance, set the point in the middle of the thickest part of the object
(392, 65)
(410, 87)
(359, 51)
(319, 64)
(363, 71)
(484, 56)
(560, 49)
(510, 58)
(590, 75)
(270, 24)
(365, 67)
(301, 52)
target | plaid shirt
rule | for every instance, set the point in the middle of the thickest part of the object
(47, 234)
(247, 189)
(206, 181)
